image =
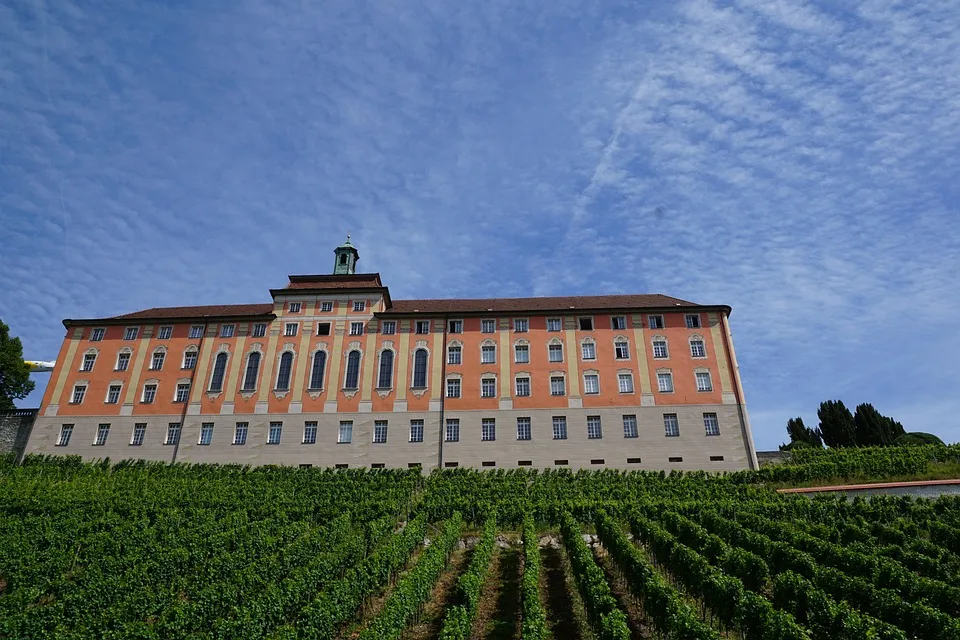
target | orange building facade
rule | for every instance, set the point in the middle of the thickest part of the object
(333, 372)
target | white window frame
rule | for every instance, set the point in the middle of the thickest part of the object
(669, 378)
(196, 331)
(63, 438)
(187, 352)
(274, 432)
(82, 389)
(455, 326)
(703, 348)
(618, 323)
(126, 364)
(389, 327)
(422, 327)
(356, 328)
(711, 424)
(554, 347)
(671, 425)
(452, 430)
(205, 438)
(160, 354)
(454, 388)
(110, 388)
(630, 428)
(185, 387)
(416, 430)
(484, 349)
(97, 334)
(240, 431)
(359, 306)
(551, 322)
(454, 349)
(488, 430)
(580, 322)
(295, 307)
(90, 356)
(488, 322)
(326, 306)
(594, 428)
(559, 427)
(621, 349)
(165, 332)
(380, 431)
(491, 381)
(524, 429)
(345, 432)
(659, 323)
(657, 340)
(103, 433)
(131, 333)
(139, 434)
(563, 386)
(517, 350)
(143, 395)
(628, 377)
(583, 352)
(309, 432)
(290, 329)
(524, 379)
(174, 431)
(586, 387)
(703, 375)
(521, 325)
(259, 330)
(227, 330)
(692, 321)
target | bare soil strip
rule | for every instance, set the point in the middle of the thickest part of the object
(444, 595)
(566, 617)
(370, 608)
(498, 613)
(640, 627)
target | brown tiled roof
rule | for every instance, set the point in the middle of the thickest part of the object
(183, 313)
(355, 281)
(565, 303)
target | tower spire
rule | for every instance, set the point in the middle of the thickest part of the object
(346, 258)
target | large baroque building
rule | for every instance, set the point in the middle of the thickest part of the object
(334, 372)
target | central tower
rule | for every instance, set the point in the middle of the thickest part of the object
(346, 259)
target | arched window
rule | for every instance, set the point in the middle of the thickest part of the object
(385, 379)
(316, 372)
(420, 369)
(352, 379)
(253, 369)
(283, 375)
(219, 368)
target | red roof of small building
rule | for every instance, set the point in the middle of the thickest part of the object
(184, 313)
(343, 281)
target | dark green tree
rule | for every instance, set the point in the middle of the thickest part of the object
(800, 432)
(836, 424)
(917, 437)
(875, 429)
(15, 382)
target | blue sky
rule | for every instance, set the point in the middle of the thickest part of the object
(797, 161)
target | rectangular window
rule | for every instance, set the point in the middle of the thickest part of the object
(621, 350)
(671, 426)
(626, 382)
(130, 333)
(523, 429)
(66, 431)
(189, 359)
(597, 461)
(89, 359)
(488, 463)
(79, 392)
(309, 433)
(226, 330)
(591, 383)
(703, 381)
(618, 323)
(555, 352)
(697, 349)
(523, 387)
(103, 431)
(453, 430)
(240, 433)
(488, 388)
(558, 386)
(360, 305)
(173, 433)
(693, 321)
(711, 424)
(451, 465)
(524, 463)
(588, 350)
(716, 458)
(677, 459)
(113, 394)
(586, 324)
(356, 328)
(630, 427)
(164, 333)
(305, 465)
(326, 307)
(488, 430)
(521, 325)
(389, 327)
(561, 463)
(559, 427)
(196, 331)
(416, 431)
(183, 392)
(378, 465)
(453, 388)
(96, 335)
(454, 355)
(123, 361)
(341, 466)
(259, 330)
(594, 429)
(660, 349)
(139, 432)
(206, 434)
(488, 326)
(633, 460)
(521, 354)
(456, 326)
(488, 354)
(323, 328)
(345, 436)
(423, 326)
(294, 307)
(655, 322)
(149, 393)
(665, 382)
(156, 362)
(290, 329)
(554, 324)
(273, 436)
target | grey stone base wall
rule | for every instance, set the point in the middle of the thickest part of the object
(15, 430)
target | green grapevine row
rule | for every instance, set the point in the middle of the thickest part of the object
(459, 618)
(534, 617)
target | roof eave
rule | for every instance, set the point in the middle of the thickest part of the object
(91, 322)
(726, 309)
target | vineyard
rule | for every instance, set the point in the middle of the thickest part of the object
(148, 550)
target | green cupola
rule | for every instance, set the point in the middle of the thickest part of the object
(347, 256)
